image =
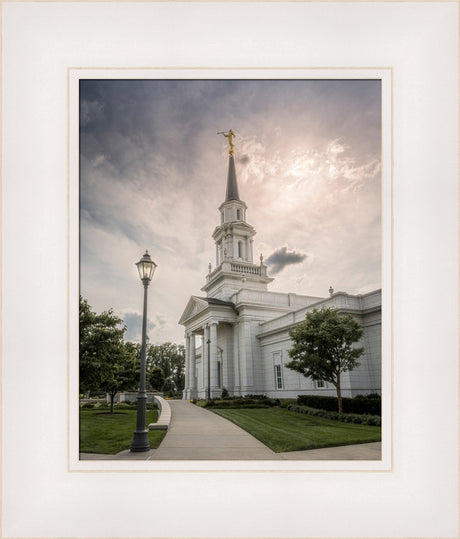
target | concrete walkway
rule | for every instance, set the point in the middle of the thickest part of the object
(198, 434)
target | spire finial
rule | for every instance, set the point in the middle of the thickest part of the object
(229, 134)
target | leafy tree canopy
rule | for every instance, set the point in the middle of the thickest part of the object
(323, 346)
(107, 363)
(170, 358)
(157, 378)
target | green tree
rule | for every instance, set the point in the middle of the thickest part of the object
(107, 363)
(156, 378)
(323, 347)
(170, 358)
(122, 373)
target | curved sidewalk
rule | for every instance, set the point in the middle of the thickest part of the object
(198, 434)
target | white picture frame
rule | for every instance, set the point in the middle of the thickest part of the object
(43, 45)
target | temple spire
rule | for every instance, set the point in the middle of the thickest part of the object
(232, 186)
(234, 239)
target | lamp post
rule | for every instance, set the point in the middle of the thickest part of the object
(146, 267)
(208, 342)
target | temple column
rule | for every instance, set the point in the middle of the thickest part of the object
(186, 393)
(192, 371)
(246, 365)
(236, 360)
(213, 351)
(227, 362)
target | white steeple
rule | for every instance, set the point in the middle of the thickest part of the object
(235, 268)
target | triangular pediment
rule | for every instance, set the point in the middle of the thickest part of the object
(195, 306)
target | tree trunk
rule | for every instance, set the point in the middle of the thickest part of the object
(339, 394)
(112, 398)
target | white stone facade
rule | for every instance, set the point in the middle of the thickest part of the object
(237, 336)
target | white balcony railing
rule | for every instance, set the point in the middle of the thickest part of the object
(245, 268)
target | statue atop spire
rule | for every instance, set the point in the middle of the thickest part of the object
(230, 134)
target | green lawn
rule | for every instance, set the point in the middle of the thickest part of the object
(289, 431)
(101, 432)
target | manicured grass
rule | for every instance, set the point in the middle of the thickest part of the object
(282, 431)
(101, 432)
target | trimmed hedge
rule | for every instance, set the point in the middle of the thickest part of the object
(360, 419)
(245, 402)
(357, 405)
(284, 403)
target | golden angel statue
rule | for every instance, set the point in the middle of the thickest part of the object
(230, 134)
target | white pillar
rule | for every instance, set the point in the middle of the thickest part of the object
(213, 350)
(186, 394)
(227, 378)
(236, 360)
(230, 250)
(246, 365)
(192, 363)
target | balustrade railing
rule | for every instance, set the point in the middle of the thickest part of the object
(243, 268)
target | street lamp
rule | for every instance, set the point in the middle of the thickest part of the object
(208, 342)
(146, 267)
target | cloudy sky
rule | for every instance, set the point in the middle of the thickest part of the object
(153, 174)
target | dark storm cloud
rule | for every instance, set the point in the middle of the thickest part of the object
(281, 258)
(244, 159)
(141, 128)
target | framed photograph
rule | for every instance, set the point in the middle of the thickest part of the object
(332, 128)
(308, 177)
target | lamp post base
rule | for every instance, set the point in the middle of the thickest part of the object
(140, 441)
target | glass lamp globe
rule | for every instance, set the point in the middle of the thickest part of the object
(146, 267)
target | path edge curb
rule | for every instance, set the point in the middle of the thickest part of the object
(164, 416)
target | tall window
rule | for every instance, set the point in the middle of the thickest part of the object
(278, 377)
(238, 214)
(240, 249)
(320, 383)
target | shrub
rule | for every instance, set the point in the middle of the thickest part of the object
(152, 406)
(359, 405)
(245, 402)
(359, 419)
(284, 403)
(88, 405)
(369, 396)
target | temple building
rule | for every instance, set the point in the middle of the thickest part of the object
(237, 333)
